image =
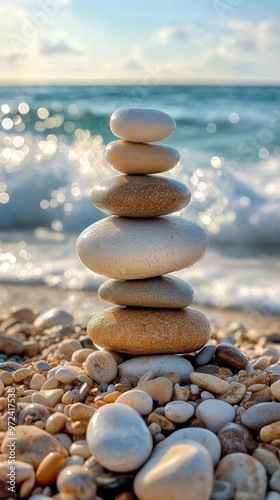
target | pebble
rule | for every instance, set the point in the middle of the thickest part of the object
(127, 330)
(80, 448)
(222, 490)
(275, 390)
(32, 444)
(178, 411)
(141, 125)
(74, 460)
(67, 347)
(234, 394)
(234, 438)
(24, 478)
(52, 317)
(21, 374)
(101, 366)
(64, 439)
(137, 399)
(230, 356)
(270, 432)
(49, 468)
(206, 438)
(160, 389)
(261, 415)
(48, 397)
(124, 450)
(182, 471)
(22, 314)
(76, 482)
(42, 366)
(34, 412)
(51, 383)
(109, 484)
(273, 495)
(80, 411)
(209, 382)
(164, 423)
(133, 369)
(10, 345)
(140, 196)
(274, 482)
(215, 414)
(6, 378)
(66, 375)
(10, 366)
(140, 159)
(162, 292)
(268, 459)
(180, 393)
(37, 381)
(245, 473)
(55, 423)
(130, 248)
(81, 355)
(204, 356)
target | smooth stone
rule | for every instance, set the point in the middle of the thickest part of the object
(53, 317)
(234, 394)
(19, 472)
(140, 195)
(37, 381)
(274, 482)
(118, 438)
(76, 482)
(131, 248)
(275, 389)
(270, 432)
(234, 438)
(182, 471)
(42, 366)
(101, 366)
(204, 356)
(160, 389)
(273, 495)
(141, 125)
(261, 415)
(215, 414)
(140, 159)
(21, 374)
(222, 490)
(209, 382)
(268, 459)
(66, 375)
(230, 356)
(10, 366)
(245, 472)
(48, 398)
(137, 399)
(162, 292)
(49, 468)
(80, 448)
(34, 412)
(67, 347)
(133, 369)
(32, 444)
(55, 423)
(149, 331)
(22, 314)
(10, 345)
(109, 484)
(202, 436)
(178, 411)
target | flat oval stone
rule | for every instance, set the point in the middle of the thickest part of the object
(245, 472)
(130, 248)
(178, 411)
(163, 292)
(140, 195)
(138, 159)
(141, 125)
(133, 369)
(53, 317)
(149, 331)
(215, 414)
(203, 436)
(230, 356)
(138, 400)
(119, 438)
(260, 415)
(10, 345)
(182, 471)
(209, 382)
(49, 468)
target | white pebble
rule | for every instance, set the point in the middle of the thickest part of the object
(101, 366)
(138, 400)
(53, 317)
(178, 411)
(194, 389)
(66, 375)
(215, 414)
(206, 395)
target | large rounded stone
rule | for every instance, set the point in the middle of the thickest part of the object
(141, 125)
(133, 369)
(164, 292)
(149, 331)
(140, 195)
(130, 248)
(182, 471)
(138, 159)
(119, 438)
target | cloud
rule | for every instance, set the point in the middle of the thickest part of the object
(60, 47)
(237, 47)
(174, 34)
(269, 34)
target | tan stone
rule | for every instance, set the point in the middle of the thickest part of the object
(164, 423)
(136, 158)
(180, 393)
(149, 331)
(164, 292)
(49, 468)
(234, 394)
(270, 432)
(209, 382)
(160, 389)
(48, 398)
(80, 411)
(140, 195)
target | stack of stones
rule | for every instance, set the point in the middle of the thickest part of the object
(140, 242)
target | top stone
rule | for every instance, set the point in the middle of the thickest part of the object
(141, 125)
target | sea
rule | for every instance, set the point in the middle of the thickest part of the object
(52, 141)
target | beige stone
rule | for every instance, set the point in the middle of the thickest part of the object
(101, 366)
(21, 374)
(48, 398)
(163, 292)
(80, 411)
(149, 331)
(161, 420)
(160, 389)
(139, 159)
(140, 195)
(275, 389)
(24, 478)
(270, 432)
(234, 394)
(209, 382)
(55, 423)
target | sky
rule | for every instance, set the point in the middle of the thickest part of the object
(148, 41)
